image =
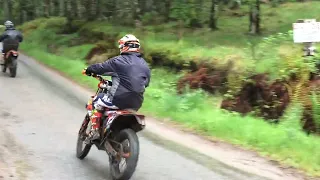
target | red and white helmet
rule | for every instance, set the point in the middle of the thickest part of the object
(129, 43)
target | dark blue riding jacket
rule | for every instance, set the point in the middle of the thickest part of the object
(130, 76)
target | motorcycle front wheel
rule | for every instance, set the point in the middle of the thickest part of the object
(122, 168)
(82, 148)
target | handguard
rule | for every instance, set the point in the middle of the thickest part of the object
(84, 71)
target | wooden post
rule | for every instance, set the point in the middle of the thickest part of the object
(309, 49)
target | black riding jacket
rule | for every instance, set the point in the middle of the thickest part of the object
(130, 76)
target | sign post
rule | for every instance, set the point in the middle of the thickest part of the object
(307, 31)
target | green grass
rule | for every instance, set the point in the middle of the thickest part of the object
(75, 52)
(197, 110)
(71, 68)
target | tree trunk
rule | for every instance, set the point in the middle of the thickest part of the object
(93, 9)
(181, 29)
(213, 16)
(79, 8)
(254, 18)
(39, 8)
(46, 8)
(10, 6)
(110, 8)
(225, 2)
(199, 9)
(30, 11)
(21, 12)
(149, 6)
(52, 8)
(7, 9)
(98, 13)
(167, 10)
(68, 8)
(196, 12)
(141, 8)
(24, 16)
(56, 7)
(61, 8)
(73, 8)
(69, 14)
(258, 16)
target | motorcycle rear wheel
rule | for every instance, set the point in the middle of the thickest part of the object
(13, 70)
(129, 137)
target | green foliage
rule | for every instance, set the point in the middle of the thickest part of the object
(285, 58)
(188, 11)
(76, 52)
(55, 24)
(2, 28)
(180, 10)
(315, 97)
(152, 18)
(290, 122)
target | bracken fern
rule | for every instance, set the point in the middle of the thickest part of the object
(316, 109)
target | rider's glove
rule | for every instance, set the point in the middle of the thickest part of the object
(86, 72)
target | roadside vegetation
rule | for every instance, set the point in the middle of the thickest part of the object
(213, 70)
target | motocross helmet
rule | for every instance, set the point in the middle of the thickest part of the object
(8, 24)
(129, 43)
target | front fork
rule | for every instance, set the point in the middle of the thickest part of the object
(86, 121)
(83, 129)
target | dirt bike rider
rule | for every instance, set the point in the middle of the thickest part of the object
(10, 38)
(130, 76)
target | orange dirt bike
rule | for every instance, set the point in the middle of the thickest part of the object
(117, 137)
(11, 62)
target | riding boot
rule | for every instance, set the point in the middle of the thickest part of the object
(95, 128)
(2, 59)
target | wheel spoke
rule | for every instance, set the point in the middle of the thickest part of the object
(124, 163)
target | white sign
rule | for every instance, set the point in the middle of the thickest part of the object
(306, 32)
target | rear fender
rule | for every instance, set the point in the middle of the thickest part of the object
(15, 54)
(122, 120)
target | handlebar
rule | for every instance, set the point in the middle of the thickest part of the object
(98, 77)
